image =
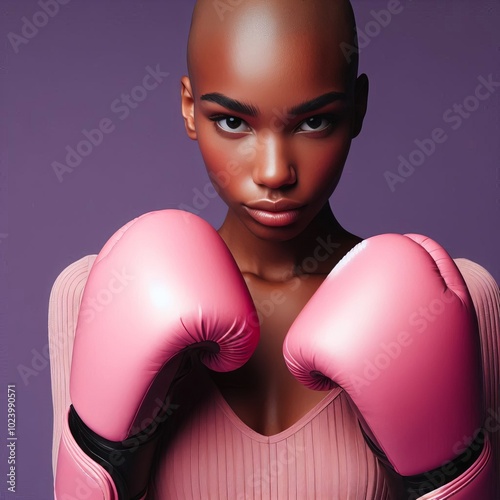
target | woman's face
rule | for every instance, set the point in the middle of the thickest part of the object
(274, 118)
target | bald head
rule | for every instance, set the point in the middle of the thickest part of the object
(251, 31)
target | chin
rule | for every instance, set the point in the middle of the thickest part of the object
(267, 233)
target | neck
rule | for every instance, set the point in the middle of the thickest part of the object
(315, 250)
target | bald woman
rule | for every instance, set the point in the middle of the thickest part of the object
(274, 103)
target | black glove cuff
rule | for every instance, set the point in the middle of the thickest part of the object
(128, 462)
(421, 484)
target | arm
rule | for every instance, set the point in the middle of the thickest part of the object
(64, 304)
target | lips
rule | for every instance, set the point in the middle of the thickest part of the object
(278, 213)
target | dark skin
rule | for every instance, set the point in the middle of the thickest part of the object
(274, 106)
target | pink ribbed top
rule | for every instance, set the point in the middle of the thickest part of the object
(214, 455)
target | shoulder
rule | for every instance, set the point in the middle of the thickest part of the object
(75, 273)
(67, 289)
(481, 284)
(485, 296)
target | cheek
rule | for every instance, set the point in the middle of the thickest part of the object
(322, 163)
(223, 164)
(211, 148)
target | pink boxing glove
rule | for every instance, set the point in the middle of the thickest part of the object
(393, 325)
(163, 289)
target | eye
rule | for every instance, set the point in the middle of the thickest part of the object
(231, 124)
(316, 123)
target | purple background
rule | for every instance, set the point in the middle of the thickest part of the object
(66, 78)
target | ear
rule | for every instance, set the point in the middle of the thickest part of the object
(360, 103)
(187, 103)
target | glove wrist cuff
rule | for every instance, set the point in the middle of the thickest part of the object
(128, 462)
(421, 484)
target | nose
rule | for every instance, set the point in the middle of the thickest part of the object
(274, 167)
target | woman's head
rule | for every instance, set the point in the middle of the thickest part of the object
(274, 103)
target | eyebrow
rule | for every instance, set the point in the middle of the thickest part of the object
(231, 104)
(250, 110)
(317, 103)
